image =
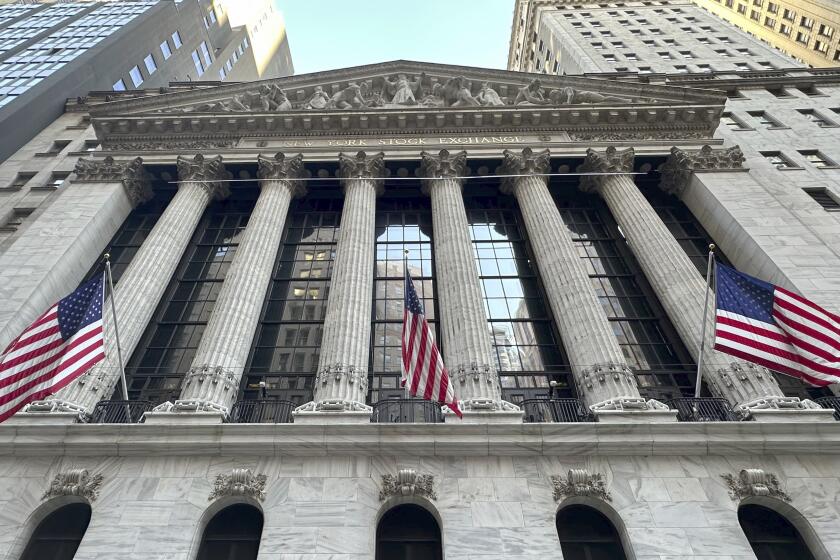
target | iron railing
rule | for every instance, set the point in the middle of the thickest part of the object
(396, 411)
(704, 409)
(120, 412)
(555, 410)
(830, 402)
(263, 411)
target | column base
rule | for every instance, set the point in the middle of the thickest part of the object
(333, 411)
(485, 410)
(187, 412)
(632, 410)
(785, 409)
(50, 412)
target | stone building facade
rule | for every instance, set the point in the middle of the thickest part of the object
(556, 231)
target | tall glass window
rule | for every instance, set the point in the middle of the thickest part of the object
(528, 351)
(165, 50)
(403, 222)
(136, 76)
(168, 346)
(288, 340)
(663, 367)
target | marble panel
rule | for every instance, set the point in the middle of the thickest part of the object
(341, 489)
(471, 542)
(497, 514)
(320, 514)
(719, 540)
(677, 514)
(655, 541)
(685, 490)
(475, 489)
(347, 540)
(511, 489)
(530, 541)
(306, 490)
(145, 514)
(288, 540)
(647, 489)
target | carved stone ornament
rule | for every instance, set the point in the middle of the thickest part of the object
(579, 482)
(677, 170)
(526, 162)
(209, 173)
(638, 134)
(362, 166)
(754, 482)
(239, 482)
(75, 482)
(281, 167)
(443, 164)
(407, 483)
(610, 161)
(131, 173)
(168, 145)
(599, 374)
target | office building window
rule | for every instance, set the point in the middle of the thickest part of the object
(755, 15)
(743, 66)
(176, 40)
(779, 160)
(769, 22)
(91, 145)
(57, 179)
(20, 180)
(680, 69)
(806, 22)
(631, 57)
(205, 52)
(704, 67)
(809, 90)
(136, 76)
(645, 70)
(826, 31)
(764, 119)
(789, 14)
(165, 50)
(731, 122)
(197, 62)
(825, 199)
(817, 158)
(222, 74)
(723, 53)
(816, 118)
(821, 46)
(119, 85)
(802, 37)
(785, 30)
(229, 65)
(245, 42)
(773, 8)
(212, 15)
(149, 61)
(779, 91)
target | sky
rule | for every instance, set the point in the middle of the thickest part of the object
(331, 34)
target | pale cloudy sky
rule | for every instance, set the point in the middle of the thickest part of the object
(329, 34)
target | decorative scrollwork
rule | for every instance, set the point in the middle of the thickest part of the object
(75, 482)
(754, 482)
(407, 483)
(681, 164)
(239, 482)
(580, 482)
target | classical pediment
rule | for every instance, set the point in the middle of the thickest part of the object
(406, 96)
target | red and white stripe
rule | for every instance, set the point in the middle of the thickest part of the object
(40, 362)
(423, 371)
(803, 341)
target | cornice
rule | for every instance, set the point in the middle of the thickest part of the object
(711, 438)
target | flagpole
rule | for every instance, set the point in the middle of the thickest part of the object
(709, 267)
(406, 384)
(107, 257)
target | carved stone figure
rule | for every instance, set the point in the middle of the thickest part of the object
(349, 98)
(488, 96)
(463, 96)
(403, 90)
(532, 94)
(579, 482)
(407, 483)
(570, 95)
(318, 100)
(239, 482)
(75, 482)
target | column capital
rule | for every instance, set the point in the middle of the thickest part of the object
(362, 166)
(610, 161)
(528, 162)
(282, 167)
(209, 173)
(444, 165)
(131, 173)
(676, 172)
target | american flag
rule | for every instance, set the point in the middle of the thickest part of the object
(58, 347)
(773, 327)
(423, 372)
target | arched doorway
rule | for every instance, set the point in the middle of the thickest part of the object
(232, 534)
(771, 535)
(58, 536)
(586, 534)
(408, 532)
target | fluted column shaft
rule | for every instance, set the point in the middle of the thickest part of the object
(219, 362)
(465, 333)
(674, 278)
(600, 370)
(145, 280)
(342, 379)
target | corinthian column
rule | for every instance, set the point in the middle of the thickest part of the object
(465, 333)
(602, 376)
(750, 388)
(214, 377)
(342, 381)
(143, 283)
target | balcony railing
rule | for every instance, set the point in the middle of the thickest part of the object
(555, 410)
(264, 411)
(120, 412)
(704, 409)
(830, 402)
(395, 411)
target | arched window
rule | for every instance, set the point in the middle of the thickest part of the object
(232, 534)
(408, 532)
(771, 536)
(58, 536)
(586, 534)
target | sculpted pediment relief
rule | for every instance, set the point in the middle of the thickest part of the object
(408, 85)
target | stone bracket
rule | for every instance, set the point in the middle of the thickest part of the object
(407, 483)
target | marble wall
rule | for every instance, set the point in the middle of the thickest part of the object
(492, 507)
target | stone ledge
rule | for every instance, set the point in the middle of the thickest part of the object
(673, 438)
